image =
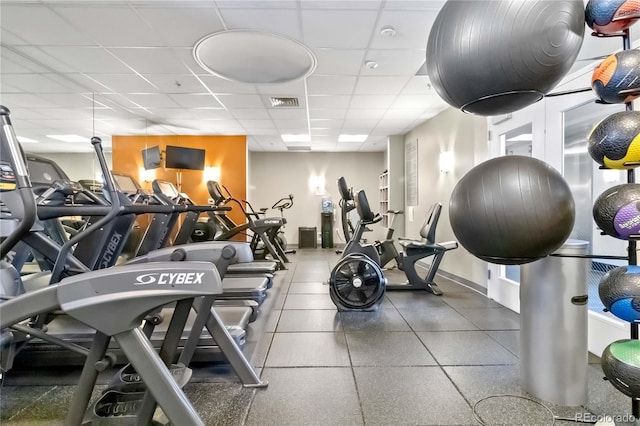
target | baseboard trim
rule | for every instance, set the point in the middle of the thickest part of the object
(463, 281)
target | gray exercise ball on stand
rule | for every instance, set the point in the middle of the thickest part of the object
(512, 210)
(495, 57)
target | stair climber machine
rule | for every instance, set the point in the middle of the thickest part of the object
(114, 302)
(357, 281)
(281, 205)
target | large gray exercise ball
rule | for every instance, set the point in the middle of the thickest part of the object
(498, 56)
(512, 210)
(621, 365)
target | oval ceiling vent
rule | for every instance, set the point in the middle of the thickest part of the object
(254, 57)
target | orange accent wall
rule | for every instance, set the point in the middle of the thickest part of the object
(229, 153)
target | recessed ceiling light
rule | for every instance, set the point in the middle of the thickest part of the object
(296, 138)
(387, 31)
(352, 138)
(22, 139)
(69, 138)
(371, 65)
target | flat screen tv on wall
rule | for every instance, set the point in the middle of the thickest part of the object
(151, 158)
(177, 157)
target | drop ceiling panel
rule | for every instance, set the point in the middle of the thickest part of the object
(330, 85)
(359, 124)
(292, 89)
(175, 83)
(404, 114)
(327, 113)
(69, 100)
(212, 114)
(18, 114)
(116, 83)
(130, 29)
(8, 38)
(64, 113)
(292, 124)
(364, 114)
(182, 26)
(171, 113)
(347, 146)
(341, 4)
(13, 63)
(26, 100)
(345, 29)
(275, 4)
(251, 113)
(288, 113)
(75, 59)
(196, 100)
(415, 101)
(412, 29)
(380, 85)
(86, 123)
(435, 5)
(155, 100)
(150, 60)
(394, 62)
(371, 101)
(220, 85)
(40, 25)
(339, 62)
(257, 124)
(279, 21)
(418, 85)
(35, 83)
(241, 101)
(325, 101)
(262, 131)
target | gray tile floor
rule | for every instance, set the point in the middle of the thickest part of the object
(420, 359)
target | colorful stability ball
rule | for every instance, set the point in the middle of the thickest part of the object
(616, 211)
(621, 364)
(618, 73)
(616, 140)
(494, 57)
(512, 210)
(619, 291)
(611, 16)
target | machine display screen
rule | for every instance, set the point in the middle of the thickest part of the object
(126, 184)
(168, 189)
(41, 172)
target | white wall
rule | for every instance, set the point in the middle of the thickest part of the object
(78, 165)
(276, 174)
(466, 136)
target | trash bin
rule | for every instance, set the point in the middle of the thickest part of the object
(553, 325)
(307, 237)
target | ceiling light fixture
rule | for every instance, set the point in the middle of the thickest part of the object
(388, 31)
(69, 138)
(296, 138)
(22, 139)
(371, 65)
(352, 138)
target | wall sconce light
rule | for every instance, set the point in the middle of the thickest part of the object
(146, 175)
(211, 173)
(446, 161)
(316, 182)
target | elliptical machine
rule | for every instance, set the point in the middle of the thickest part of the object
(281, 205)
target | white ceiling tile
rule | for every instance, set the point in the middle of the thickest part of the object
(220, 85)
(347, 147)
(418, 85)
(172, 113)
(64, 124)
(175, 83)
(41, 26)
(13, 63)
(69, 101)
(403, 114)
(250, 113)
(241, 101)
(325, 102)
(8, 38)
(325, 133)
(339, 62)
(359, 124)
(262, 131)
(182, 26)
(291, 124)
(372, 101)
(131, 30)
(330, 85)
(341, 4)
(65, 113)
(380, 85)
(119, 83)
(394, 62)
(412, 29)
(252, 4)
(288, 113)
(18, 114)
(150, 60)
(346, 29)
(416, 101)
(327, 113)
(75, 59)
(154, 100)
(293, 130)
(257, 124)
(365, 114)
(196, 100)
(212, 114)
(279, 21)
(26, 100)
(38, 83)
(292, 89)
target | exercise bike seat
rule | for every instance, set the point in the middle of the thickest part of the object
(427, 246)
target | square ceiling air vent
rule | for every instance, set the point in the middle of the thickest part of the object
(280, 102)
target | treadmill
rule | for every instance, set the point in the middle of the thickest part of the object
(38, 352)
